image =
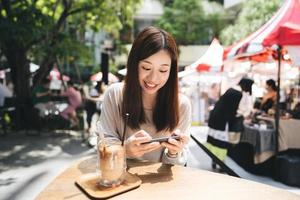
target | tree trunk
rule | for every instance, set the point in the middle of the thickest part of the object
(20, 74)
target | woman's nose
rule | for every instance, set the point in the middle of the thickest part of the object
(152, 76)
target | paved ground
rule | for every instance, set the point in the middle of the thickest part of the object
(29, 163)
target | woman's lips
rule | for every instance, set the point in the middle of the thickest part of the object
(150, 85)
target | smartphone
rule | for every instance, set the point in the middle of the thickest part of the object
(163, 139)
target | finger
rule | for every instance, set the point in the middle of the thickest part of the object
(147, 147)
(184, 139)
(175, 142)
(141, 133)
(142, 149)
(139, 140)
(172, 147)
(139, 137)
(151, 149)
(176, 132)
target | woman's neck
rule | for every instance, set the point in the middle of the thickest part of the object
(149, 101)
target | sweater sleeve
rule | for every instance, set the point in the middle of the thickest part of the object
(184, 126)
(110, 113)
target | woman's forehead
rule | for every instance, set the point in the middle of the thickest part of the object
(161, 58)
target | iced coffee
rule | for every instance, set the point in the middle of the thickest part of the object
(112, 163)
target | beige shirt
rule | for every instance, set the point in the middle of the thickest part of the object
(113, 124)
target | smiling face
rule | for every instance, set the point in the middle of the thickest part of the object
(154, 72)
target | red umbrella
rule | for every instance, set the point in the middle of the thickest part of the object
(288, 34)
(282, 29)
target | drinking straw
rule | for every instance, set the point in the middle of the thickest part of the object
(101, 135)
(124, 130)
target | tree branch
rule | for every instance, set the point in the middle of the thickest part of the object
(78, 10)
(63, 17)
(56, 27)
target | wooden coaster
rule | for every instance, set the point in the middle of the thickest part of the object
(89, 184)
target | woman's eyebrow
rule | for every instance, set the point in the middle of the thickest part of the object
(146, 61)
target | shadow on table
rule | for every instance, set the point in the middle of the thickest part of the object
(88, 165)
(149, 174)
(163, 174)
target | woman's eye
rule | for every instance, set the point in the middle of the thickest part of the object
(146, 68)
(163, 71)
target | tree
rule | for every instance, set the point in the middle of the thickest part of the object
(217, 19)
(193, 21)
(36, 29)
(252, 16)
(185, 20)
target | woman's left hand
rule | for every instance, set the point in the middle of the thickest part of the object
(176, 146)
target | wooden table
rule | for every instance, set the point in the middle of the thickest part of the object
(167, 182)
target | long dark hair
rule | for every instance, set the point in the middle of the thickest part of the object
(272, 84)
(246, 84)
(166, 112)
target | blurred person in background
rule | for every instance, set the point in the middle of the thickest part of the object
(74, 101)
(226, 119)
(41, 99)
(213, 94)
(93, 101)
(269, 99)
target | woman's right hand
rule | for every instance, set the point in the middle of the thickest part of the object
(134, 146)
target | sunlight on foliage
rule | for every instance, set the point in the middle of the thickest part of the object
(253, 15)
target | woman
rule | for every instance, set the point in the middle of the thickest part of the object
(74, 101)
(226, 119)
(150, 96)
(269, 98)
(231, 104)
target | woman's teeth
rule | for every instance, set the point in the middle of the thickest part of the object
(150, 85)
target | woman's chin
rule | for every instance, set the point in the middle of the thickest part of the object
(151, 91)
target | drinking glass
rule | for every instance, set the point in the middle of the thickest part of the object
(111, 160)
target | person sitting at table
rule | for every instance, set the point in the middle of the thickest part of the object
(150, 96)
(41, 97)
(74, 101)
(269, 98)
